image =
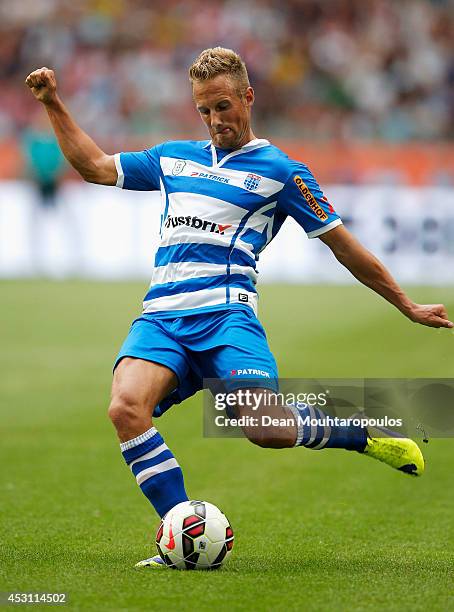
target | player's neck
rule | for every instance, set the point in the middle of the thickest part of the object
(243, 142)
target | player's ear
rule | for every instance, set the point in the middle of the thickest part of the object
(249, 96)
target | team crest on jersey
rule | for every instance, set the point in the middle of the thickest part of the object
(251, 182)
(178, 167)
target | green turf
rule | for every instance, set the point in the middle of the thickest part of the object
(314, 530)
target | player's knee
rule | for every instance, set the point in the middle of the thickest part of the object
(124, 410)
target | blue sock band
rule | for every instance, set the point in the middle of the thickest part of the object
(156, 470)
(314, 433)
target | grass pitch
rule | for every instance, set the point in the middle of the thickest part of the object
(314, 530)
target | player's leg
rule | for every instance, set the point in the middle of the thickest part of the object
(303, 425)
(149, 366)
(308, 426)
(138, 386)
(243, 360)
(282, 426)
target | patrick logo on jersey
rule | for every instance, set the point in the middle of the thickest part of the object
(197, 223)
(250, 372)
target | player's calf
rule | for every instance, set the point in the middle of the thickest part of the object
(268, 427)
(271, 425)
(155, 469)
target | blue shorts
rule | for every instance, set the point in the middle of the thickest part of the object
(227, 344)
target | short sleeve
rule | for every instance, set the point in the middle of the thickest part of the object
(302, 199)
(140, 170)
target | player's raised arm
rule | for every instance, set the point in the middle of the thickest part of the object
(80, 150)
(372, 273)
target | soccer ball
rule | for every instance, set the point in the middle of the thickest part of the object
(194, 535)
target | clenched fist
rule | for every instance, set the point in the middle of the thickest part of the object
(43, 84)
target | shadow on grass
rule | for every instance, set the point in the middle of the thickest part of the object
(387, 561)
(397, 562)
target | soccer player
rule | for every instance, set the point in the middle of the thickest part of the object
(223, 201)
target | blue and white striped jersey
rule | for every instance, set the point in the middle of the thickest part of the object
(219, 211)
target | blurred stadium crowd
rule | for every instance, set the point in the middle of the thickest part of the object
(322, 69)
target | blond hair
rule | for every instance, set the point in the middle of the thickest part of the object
(212, 62)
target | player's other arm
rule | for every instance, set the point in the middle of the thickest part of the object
(372, 273)
(80, 150)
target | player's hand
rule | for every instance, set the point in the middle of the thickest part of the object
(432, 315)
(43, 84)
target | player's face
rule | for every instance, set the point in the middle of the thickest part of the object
(226, 114)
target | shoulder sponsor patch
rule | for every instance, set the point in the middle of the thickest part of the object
(310, 199)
